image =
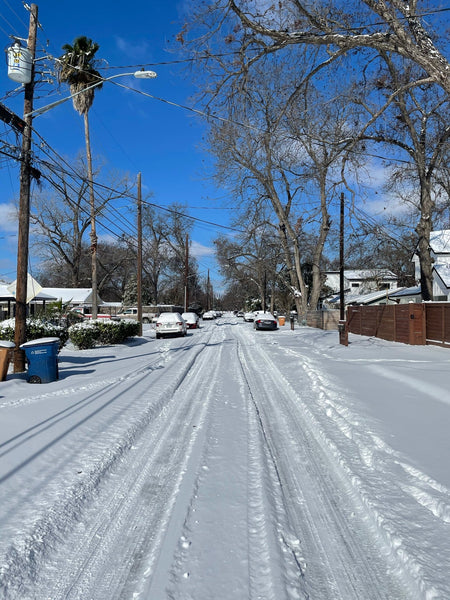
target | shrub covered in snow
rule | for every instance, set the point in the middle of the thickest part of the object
(101, 332)
(36, 328)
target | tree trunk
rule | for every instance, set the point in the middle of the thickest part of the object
(318, 249)
(93, 225)
(423, 230)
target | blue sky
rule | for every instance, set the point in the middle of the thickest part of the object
(129, 131)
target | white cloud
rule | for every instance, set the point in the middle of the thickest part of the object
(132, 48)
(8, 218)
(199, 250)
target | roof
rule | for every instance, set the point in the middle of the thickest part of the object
(5, 294)
(74, 295)
(369, 274)
(443, 271)
(365, 298)
(440, 241)
(409, 291)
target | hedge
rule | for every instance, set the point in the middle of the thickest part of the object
(100, 332)
(35, 329)
(86, 334)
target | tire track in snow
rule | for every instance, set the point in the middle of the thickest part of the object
(232, 516)
(334, 545)
(28, 556)
(387, 485)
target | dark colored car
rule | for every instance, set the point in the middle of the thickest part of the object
(265, 321)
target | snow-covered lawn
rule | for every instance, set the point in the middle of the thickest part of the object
(230, 464)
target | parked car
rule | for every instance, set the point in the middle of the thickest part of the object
(132, 313)
(209, 315)
(170, 324)
(265, 321)
(240, 313)
(249, 316)
(192, 320)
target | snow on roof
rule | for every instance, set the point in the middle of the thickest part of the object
(369, 274)
(409, 291)
(79, 295)
(5, 294)
(366, 298)
(443, 271)
(440, 241)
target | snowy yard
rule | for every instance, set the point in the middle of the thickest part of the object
(231, 464)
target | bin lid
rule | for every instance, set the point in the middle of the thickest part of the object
(40, 342)
(6, 344)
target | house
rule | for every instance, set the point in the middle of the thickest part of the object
(362, 281)
(8, 300)
(73, 297)
(440, 254)
(38, 297)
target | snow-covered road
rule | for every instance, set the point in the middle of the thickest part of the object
(229, 464)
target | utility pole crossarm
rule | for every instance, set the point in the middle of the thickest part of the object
(10, 118)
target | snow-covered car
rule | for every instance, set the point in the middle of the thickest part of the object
(265, 321)
(170, 324)
(249, 316)
(191, 319)
(209, 315)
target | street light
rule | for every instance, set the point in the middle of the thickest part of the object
(25, 175)
(136, 74)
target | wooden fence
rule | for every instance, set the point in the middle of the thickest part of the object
(413, 323)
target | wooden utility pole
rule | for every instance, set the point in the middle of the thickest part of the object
(20, 332)
(186, 274)
(341, 262)
(139, 253)
(343, 329)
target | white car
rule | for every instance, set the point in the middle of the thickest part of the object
(209, 315)
(170, 324)
(249, 316)
(191, 319)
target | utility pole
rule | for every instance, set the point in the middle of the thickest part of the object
(20, 331)
(341, 262)
(208, 284)
(139, 253)
(186, 274)
(343, 329)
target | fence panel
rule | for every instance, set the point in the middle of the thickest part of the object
(403, 323)
(437, 323)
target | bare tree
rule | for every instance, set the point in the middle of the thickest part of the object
(392, 26)
(351, 40)
(252, 260)
(280, 144)
(61, 219)
(416, 124)
(164, 252)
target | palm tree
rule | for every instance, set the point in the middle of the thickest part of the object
(76, 67)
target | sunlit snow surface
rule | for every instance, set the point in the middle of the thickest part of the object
(229, 464)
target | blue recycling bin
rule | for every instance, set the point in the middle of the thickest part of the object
(42, 358)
